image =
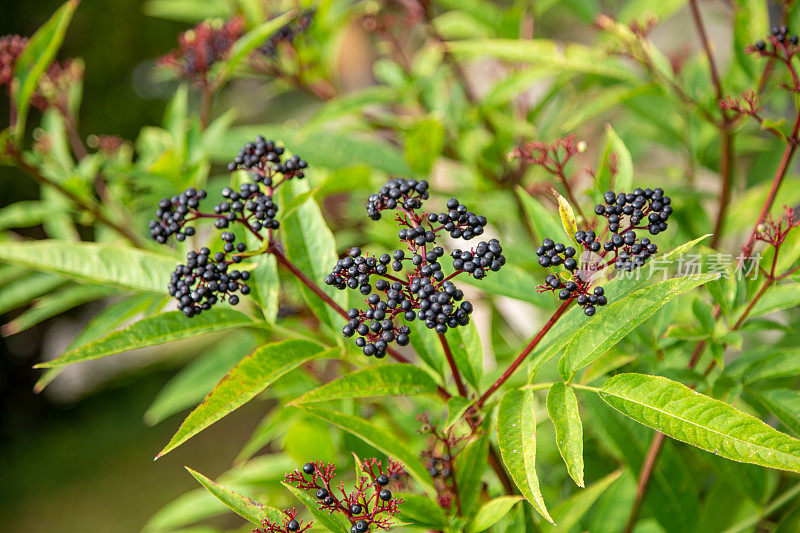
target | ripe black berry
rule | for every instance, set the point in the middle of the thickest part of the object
(309, 468)
(203, 281)
(264, 160)
(382, 480)
(361, 526)
(355, 509)
(322, 494)
(385, 495)
(293, 525)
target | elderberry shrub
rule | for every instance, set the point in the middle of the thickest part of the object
(411, 284)
(205, 278)
(780, 38)
(619, 245)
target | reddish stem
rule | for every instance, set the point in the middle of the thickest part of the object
(462, 390)
(524, 354)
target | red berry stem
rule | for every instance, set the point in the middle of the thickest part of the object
(462, 389)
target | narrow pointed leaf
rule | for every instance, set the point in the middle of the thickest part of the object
(127, 268)
(470, 465)
(158, 329)
(784, 404)
(613, 322)
(383, 380)
(421, 511)
(467, 352)
(516, 438)
(569, 513)
(378, 438)
(562, 406)
(311, 247)
(491, 512)
(243, 506)
(336, 523)
(37, 56)
(252, 375)
(456, 407)
(709, 424)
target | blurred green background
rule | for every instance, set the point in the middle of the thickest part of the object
(69, 461)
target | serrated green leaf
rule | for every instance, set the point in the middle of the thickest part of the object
(266, 286)
(311, 247)
(562, 406)
(683, 414)
(491, 512)
(252, 375)
(333, 522)
(127, 268)
(381, 380)
(516, 438)
(612, 323)
(194, 381)
(245, 507)
(34, 60)
(158, 329)
(379, 438)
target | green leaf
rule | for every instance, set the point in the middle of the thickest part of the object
(34, 60)
(423, 144)
(615, 149)
(245, 507)
(381, 380)
(55, 303)
(638, 10)
(456, 407)
(571, 58)
(515, 282)
(516, 438)
(567, 218)
(784, 404)
(767, 363)
(191, 11)
(266, 286)
(194, 381)
(751, 22)
(568, 514)
(544, 223)
(311, 247)
(465, 344)
(683, 414)
(421, 511)
(470, 466)
(426, 343)
(777, 298)
(127, 268)
(247, 379)
(334, 522)
(379, 438)
(562, 406)
(491, 512)
(247, 43)
(615, 321)
(25, 214)
(158, 329)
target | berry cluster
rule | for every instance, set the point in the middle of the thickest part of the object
(249, 204)
(635, 206)
(625, 213)
(264, 159)
(287, 33)
(289, 524)
(423, 292)
(201, 47)
(369, 506)
(397, 193)
(458, 221)
(171, 215)
(205, 279)
(780, 34)
(444, 446)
